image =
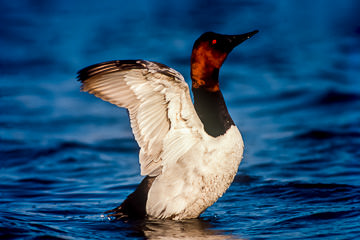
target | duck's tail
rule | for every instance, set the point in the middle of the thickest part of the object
(134, 205)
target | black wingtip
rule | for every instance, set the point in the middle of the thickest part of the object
(89, 71)
(83, 74)
(107, 67)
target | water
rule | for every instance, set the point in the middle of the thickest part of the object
(293, 90)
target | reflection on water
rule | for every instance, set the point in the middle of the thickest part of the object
(186, 229)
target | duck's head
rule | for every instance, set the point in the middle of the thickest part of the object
(209, 52)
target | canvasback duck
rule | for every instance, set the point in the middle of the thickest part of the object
(189, 153)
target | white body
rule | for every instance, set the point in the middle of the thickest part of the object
(197, 179)
(192, 168)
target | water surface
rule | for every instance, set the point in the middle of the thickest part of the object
(293, 90)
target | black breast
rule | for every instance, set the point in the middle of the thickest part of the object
(212, 111)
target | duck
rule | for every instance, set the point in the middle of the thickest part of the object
(189, 151)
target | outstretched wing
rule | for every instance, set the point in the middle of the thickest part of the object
(161, 112)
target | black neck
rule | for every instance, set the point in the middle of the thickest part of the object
(212, 111)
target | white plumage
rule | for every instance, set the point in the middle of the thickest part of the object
(192, 168)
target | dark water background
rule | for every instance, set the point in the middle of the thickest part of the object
(293, 90)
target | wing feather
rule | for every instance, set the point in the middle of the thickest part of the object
(161, 112)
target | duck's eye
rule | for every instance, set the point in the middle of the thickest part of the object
(213, 41)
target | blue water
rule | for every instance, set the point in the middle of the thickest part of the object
(293, 90)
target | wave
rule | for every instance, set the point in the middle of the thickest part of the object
(304, 192)
(335, 96)
(327, 134)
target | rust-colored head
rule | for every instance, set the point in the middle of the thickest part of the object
(209, 52)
